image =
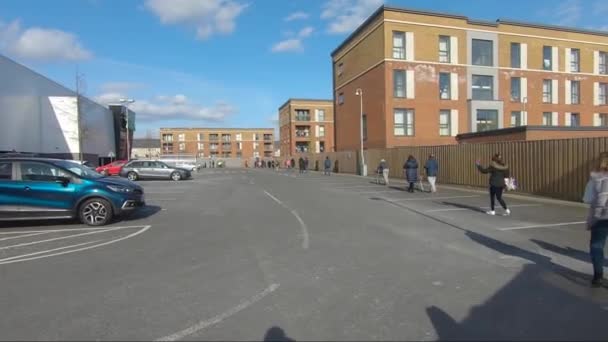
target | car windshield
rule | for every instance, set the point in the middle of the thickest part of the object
(78, 169)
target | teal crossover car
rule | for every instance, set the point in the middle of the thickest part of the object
(41, 189)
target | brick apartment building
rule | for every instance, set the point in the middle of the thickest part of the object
(427, 77)
(306, 125)
(218, 142)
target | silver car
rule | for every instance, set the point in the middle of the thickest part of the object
(144, 169)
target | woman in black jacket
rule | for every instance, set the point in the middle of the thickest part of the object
(498, 171)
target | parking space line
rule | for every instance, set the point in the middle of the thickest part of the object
(550, 225)
(303, 227)
(58, 238)
(162, 199)
(142, 230)
(358, 186)
(47, 251)
(430, 198)
(67, 230)
(23, 236)
(484, 208)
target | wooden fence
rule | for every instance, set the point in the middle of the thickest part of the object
(553, 168)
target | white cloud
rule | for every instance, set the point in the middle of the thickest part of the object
(43, 44)
(346, 15)
(174, 107)
(568, 12)
(306, 32)
(207, 16)
(293, 44)
(296, 16)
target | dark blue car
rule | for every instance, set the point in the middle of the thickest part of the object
(41, 189)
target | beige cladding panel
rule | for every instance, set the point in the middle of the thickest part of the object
(364, 55)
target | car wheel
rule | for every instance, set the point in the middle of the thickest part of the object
(176, 176)
(132, 176)
(95, 212)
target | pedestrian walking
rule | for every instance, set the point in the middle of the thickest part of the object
(306, 164)
(411, 172)
(301, 164)
(327, 166)
(432, 168)
(499, 171)
(293, 163)
(596, 193)
(383, 171)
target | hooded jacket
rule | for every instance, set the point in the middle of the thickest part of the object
(498, 173)
(596, 195)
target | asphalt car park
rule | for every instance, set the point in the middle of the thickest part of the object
(249, 254)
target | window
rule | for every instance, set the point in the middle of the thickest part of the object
(547, 58)
(364, 123)
(444, 49)
(603, 120)
(444, 86)
(226, 146)
(575, 91)
(256, 154)
(321, 131)
(341, 98)
(487, 120)
(515, 118)
(256, 136)
(239, 154)
(199, 136)
(301, 115)
(321, 146)
(398, 45)
(239, 146)
(321, 114)
(201, 146)
(515, 89)
(575, 56)
(226, 137)
(482, 87)
(515, 55)
(6, 170)
(239, 137)
(575, 120)
(399, 83)
(547, 119)
(182, 146)
(256, 145)
(547, 91)
(41, 172)
(267, 137)
(213, 146)
(444, 123)
(404, 122)
(168, 137)
(603, 93)
(482, 52)
(340, 69)
(214, 137)
(603, 61)
(181, 137)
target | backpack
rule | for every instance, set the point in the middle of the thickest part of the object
(599, 206)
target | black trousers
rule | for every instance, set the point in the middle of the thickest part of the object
(496, 194)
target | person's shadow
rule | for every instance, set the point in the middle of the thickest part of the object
(567, 251)
(276, 334)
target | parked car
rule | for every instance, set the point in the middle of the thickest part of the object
(143, 169)
(111, 169)
(40, 188)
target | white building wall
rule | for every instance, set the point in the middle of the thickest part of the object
(38, 115)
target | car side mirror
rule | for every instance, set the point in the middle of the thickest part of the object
(63, 181)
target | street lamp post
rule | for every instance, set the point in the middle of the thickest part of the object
(359, 92)
(125, 103)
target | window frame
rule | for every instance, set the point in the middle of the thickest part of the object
(446, 77)
(575, 96)
(402, 73)
(445, 56)
(481, 57)
(578, 119)
(602, 98)
(575, 63)
(517, 64)
(547, 49)
(445, 126)
(519, 120)
(11, 168)
(548, 117)
(405, 125)
(517, 81)
(603, 119)
(399, 52)
(603, 67)
(547, 96)
(494, 111)
(482, 87)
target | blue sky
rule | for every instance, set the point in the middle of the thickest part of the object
(219, 62)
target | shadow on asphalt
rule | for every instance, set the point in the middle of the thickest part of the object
(535, 304)
(142, 213)
(276, 334)
(568, 251)
(464, 206)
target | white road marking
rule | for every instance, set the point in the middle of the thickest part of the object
(47, 251)
(58, 238)
(429, 198)
(357, 186)
(221, 317)
(22, 236)
(142, 230)
(544, 225)
(303, 227)
(161, 199)
(483, 208)
(68, 230)
(164, 192)
(372, 192)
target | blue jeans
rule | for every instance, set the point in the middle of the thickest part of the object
(599, 232)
